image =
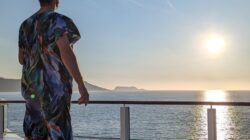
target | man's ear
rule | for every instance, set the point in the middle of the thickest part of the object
(57, 3)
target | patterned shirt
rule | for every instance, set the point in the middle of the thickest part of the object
(43, 69)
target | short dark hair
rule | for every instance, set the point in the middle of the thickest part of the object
(44, 2)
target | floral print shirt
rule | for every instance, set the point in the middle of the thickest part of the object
(43, 70)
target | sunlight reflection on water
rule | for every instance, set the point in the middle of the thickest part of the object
(224, 114)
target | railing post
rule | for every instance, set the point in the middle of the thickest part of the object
(211, 123)
(3, 119)
(124, 123)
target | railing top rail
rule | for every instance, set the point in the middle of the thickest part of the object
(149, 102)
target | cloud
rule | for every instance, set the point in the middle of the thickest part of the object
(137, 3)
(171, 5)
(165, 6)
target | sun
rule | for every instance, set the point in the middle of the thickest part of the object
(215, 44)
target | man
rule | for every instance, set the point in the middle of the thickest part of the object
(45, 50)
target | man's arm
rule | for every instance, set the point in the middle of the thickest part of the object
(21, 56)
(69, 59)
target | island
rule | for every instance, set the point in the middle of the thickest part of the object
(127, 88)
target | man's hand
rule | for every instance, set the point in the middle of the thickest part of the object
(84, 95)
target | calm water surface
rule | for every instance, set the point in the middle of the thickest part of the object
(152, 122)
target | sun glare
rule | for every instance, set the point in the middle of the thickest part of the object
(215, 44)
(215, 95)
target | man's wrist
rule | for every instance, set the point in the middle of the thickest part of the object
(80, 81)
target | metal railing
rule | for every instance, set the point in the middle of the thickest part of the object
(150, 102)
(125, 115)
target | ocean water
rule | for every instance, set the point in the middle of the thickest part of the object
(151, 122)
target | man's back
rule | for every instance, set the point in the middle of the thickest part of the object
(43, 66)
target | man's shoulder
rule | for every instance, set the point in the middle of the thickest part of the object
(49, 16)
(27, 21)
(61, 16)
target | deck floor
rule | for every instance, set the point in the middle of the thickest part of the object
(11, 136)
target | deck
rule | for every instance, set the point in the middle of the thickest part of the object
(8, 135)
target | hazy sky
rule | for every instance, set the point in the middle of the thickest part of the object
(151, 44)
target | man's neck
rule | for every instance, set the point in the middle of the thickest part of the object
(46, 8)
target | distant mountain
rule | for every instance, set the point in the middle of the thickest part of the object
(126, 88)
(10, 85)
(90, 87)
(14, 85)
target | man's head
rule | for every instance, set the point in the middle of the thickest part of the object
(52, 3)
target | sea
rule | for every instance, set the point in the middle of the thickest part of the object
(150, 122)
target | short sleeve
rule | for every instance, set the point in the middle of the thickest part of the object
(64, 25)
(20, 38)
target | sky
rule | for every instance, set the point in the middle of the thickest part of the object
(150, 44)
